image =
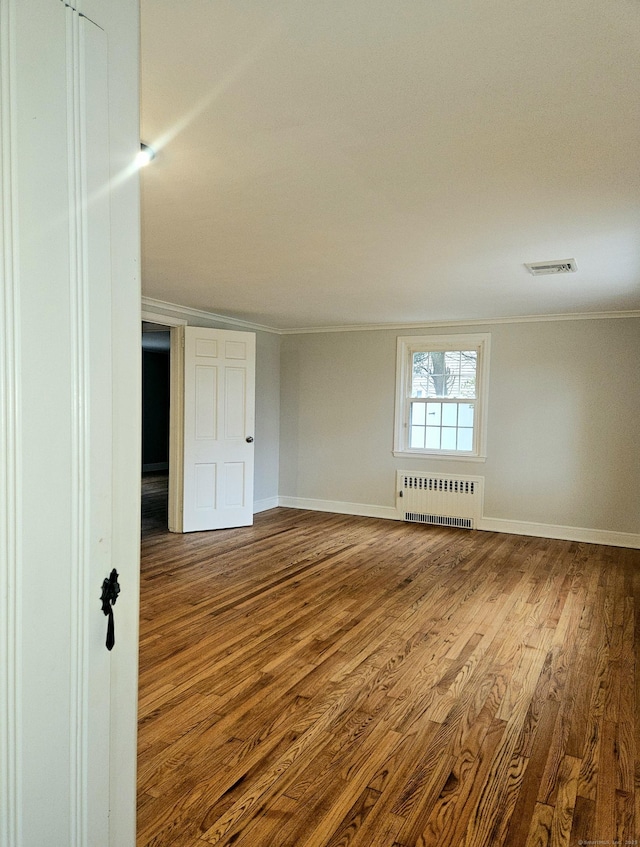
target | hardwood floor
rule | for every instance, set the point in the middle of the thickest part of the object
(320, 680)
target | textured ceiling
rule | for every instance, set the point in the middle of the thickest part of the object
(366, 161)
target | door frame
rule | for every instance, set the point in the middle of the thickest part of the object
(52, 630)
(176, 411)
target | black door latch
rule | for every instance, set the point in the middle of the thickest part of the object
(110, 591)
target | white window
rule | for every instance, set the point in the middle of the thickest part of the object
(441, 389)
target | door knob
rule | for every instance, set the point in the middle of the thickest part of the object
(249, 439)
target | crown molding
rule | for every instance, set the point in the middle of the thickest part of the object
(175, 310)
(184, 312)
(468, 322)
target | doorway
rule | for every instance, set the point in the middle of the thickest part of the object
(211, 396)
(156, 354)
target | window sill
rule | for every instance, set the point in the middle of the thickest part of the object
(423, 454)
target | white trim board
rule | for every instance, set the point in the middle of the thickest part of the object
(162, 320)
(265, 504)
(362, 510)
(563, 533)
(466, 322)
(537, 530)
(10, 446)
(183, 313)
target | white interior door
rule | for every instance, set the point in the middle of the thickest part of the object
(219, 417)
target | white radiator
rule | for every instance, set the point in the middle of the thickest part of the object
(441, 499)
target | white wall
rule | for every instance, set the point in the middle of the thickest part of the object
(267, 455)
(564, 408)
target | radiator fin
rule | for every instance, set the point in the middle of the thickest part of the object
(430, 483)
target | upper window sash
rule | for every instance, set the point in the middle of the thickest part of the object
(442, 373)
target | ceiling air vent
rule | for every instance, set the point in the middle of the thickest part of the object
(566, 266)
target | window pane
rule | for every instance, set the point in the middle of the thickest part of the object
(441, 426)
(448, 438)
(420, 370)
(417, 436)
(449, 414)
(465, 439)
(452, 360)
(433, 438)
(429, 374)
(418, 414)
(444, 373)
(434, 412)
(465, 414)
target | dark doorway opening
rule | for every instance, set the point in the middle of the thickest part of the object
(156, 350)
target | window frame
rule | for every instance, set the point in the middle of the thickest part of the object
(407, 345)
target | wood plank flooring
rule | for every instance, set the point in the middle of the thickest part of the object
(320, 680)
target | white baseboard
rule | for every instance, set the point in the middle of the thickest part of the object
(564, 533)
(362, 510)
(538, 530)
(265, 504)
